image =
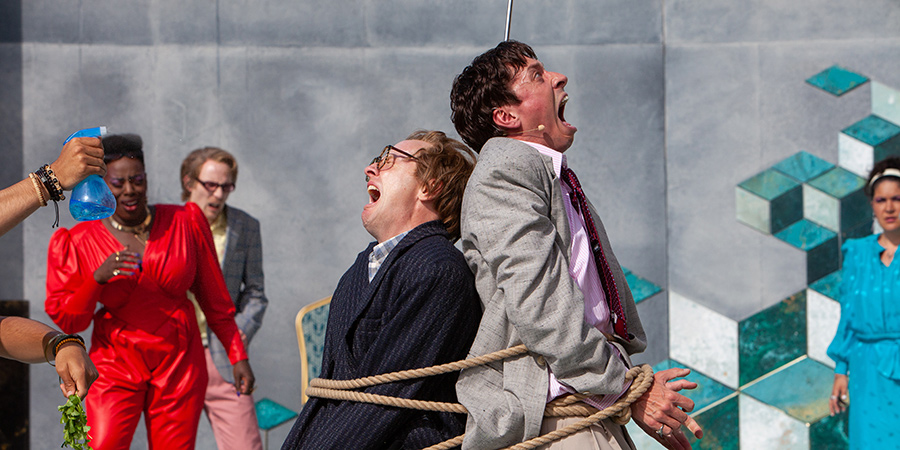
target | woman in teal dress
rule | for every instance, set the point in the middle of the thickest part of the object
(866, 347)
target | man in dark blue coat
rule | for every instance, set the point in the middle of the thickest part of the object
(408, 301)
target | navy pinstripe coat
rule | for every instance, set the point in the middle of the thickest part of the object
(421, 309)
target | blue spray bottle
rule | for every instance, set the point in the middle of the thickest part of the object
(91, 199)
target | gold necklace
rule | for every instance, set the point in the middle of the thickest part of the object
(138, 230)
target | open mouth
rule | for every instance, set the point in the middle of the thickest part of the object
(374, 193)
(562, 109)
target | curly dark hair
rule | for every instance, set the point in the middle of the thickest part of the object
(483, 86)
(891, 162)
(117, 146)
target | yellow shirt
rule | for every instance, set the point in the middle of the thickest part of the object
(219, 230)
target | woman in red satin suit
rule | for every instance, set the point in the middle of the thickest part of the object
(138, 265)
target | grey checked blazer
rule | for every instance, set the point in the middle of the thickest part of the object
(516, 239)
(243, 271)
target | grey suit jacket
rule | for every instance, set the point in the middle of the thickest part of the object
(516, 239)
(243, 271)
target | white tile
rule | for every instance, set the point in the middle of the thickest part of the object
(821, 208)
(765, 427)
(703, 339)
(753, 210)
(822, 316)
(886, 102)
(854, 155)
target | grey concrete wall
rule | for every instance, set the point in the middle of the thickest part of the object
(676, 102)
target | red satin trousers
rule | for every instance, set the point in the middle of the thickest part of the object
(162, 375)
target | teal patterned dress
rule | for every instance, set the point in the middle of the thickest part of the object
(866, 346)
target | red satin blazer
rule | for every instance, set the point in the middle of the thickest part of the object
(179, 256)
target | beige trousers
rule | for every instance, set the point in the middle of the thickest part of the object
(606, 435)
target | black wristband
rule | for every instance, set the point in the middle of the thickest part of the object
(60, 339)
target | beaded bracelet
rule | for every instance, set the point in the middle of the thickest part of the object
(58, 341)
(37, 188)
(48, 178)
(51, 182)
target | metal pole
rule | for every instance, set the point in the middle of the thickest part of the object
(508, 18)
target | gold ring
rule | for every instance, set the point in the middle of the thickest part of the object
(117, 258)
(116, 272)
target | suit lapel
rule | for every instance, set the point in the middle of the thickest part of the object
(371, 289)
(235, 227)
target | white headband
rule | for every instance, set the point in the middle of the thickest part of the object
(887, 173)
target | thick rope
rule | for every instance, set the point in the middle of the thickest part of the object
(419, 373)
(566, 406)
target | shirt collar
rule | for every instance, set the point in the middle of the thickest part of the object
(221, 222)
(381, 251)
(559, 159)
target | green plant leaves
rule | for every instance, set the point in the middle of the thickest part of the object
(75, 428)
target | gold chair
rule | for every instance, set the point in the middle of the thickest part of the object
(311, 322)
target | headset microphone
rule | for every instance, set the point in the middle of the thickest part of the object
(539, 128)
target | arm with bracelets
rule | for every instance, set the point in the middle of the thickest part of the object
(79, 158)
(32, 342)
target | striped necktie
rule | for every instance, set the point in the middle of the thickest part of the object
(606, 276)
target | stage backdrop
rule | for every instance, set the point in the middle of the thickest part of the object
(692, 116)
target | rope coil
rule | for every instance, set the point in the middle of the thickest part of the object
(566, 406)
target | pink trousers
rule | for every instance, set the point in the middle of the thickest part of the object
(232, 418)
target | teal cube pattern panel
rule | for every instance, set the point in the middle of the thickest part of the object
(784, 376)
(830, 433)
(782, 400)
(819, 243)
(873, 130)
(641, 289)
(836, 200)
(862, 230)
(862, 144)
(801, 390)
(807, 398)
(803, 167)
(721, 425)
(271, 414)
(829, 285)
(837, 80)
(769, 201)
(772, 338)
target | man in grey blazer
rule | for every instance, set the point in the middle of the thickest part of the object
(538, 272)
(208, 176)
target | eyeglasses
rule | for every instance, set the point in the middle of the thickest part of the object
(211, 186)
(136, 180)
(386, 159)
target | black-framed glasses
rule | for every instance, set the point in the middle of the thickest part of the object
(386, 159)
(212, 186)
(136, 180)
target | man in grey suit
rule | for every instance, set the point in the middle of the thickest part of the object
(208, 176)
(544, 270)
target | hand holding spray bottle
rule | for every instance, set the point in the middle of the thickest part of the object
(91, 198)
